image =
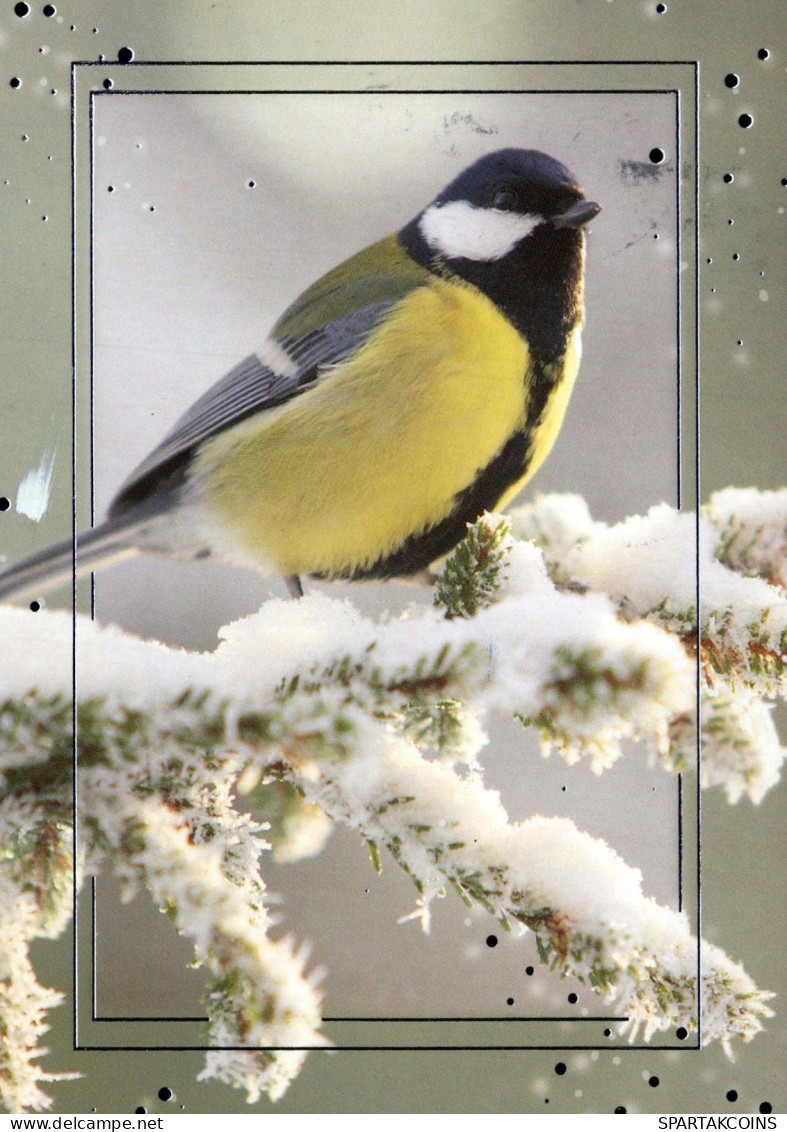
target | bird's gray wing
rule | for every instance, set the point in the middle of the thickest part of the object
(255, 385)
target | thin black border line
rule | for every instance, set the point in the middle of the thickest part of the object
(514, 1018)
(677, 93)
(91, 347)
(387, 63)
(345, 63)
(612, 1018)
(372, 92)
(678, 423)
(679, 297)
(74, 794)
(92, 286)
(680, 842)
(93, 944)
(372, 1049)
(698, 702)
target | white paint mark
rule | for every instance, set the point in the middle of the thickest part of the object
(32, 496)
(764, 296)
(460, 230)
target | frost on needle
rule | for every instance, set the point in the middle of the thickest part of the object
(589, 634)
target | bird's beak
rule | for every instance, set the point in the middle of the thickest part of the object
(579, 214)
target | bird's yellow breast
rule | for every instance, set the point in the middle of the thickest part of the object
(341, 475)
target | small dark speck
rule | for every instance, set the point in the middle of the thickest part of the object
(125, 55)
(656, 156)
(728, 178)
(53, 91)
(25, 137)
(709, 260)
(620, 1108)
(509, 1002)
(739, 342)
(4, 503)
(766, 1106)
(22, 10)
(763, 53)
(563, 789)
(654, 1082)
(110, 188)
(745, 121)
(530, 970)
(573, 997)
(732, 1095)
(108, 84)
(141, 1109)
(251, 184)
(661, 9)
(607, 1033)
(152, 208)
(44, 217)
(784, 182)
(655, 235)
(95, 31)
(731, 80)
(165, 1093)
(15, 83)
(49, 10)
(736, 256)
(35, 606)
(730, 221)
(491, 941)
(560, 1068)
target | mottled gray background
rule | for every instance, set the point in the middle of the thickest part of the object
(183, 291)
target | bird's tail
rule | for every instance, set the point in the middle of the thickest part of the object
(55, 565)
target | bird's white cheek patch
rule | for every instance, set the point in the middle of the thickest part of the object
(460, 230)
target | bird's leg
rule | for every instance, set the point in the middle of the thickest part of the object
(294, 587)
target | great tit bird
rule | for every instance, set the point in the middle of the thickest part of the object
(418, 384)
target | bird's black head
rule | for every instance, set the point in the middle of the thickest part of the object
(516, 180)
(511, 224)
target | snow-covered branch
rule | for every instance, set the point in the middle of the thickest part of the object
(380, 726)
(36, 879)
(716, 584)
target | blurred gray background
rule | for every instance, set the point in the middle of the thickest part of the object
(192, 266)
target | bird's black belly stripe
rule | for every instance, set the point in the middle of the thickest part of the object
(510, 464)
(419, 551)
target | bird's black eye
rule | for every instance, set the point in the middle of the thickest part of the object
(506, 199)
